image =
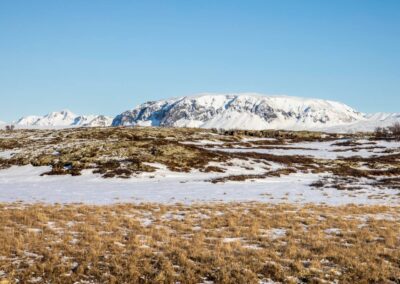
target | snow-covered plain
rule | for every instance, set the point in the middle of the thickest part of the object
(7, 154)
(321, 150)
(25, 184)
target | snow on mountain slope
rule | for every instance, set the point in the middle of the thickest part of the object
(241, 111)
(28, 120)
(370, 123)
(228, 111)
(382, 116)
(64, 118)
(99, 120)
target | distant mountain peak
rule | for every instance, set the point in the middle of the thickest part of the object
(63, 118)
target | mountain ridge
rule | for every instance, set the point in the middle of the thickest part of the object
(251, 111)
(63, 118)
(240, 111)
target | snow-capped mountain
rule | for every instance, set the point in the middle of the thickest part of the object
(242, 111)
(100, 120)
(228, 111)
(64, 118)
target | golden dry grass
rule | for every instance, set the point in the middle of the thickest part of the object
(223, 243)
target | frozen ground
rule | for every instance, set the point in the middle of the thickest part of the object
(322, 171)
(321, 150)
(25, 184)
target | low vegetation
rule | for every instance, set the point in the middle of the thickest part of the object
(10, 127)
(202, 243)
(124, 152)
(391, 132)
(112, 152)
(217, 243)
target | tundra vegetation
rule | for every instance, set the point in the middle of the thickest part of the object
(125, 152)
(391, 132)
(217, 243)
(10, 127)
(203, 243)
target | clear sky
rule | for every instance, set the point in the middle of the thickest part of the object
(108, 56)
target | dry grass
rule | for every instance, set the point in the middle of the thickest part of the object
(223, 243)
(274, 173)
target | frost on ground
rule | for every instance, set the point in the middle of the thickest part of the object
(113, 165)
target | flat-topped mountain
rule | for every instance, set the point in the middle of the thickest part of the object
(241, 111)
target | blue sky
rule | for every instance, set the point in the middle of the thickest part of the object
(108, 56)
